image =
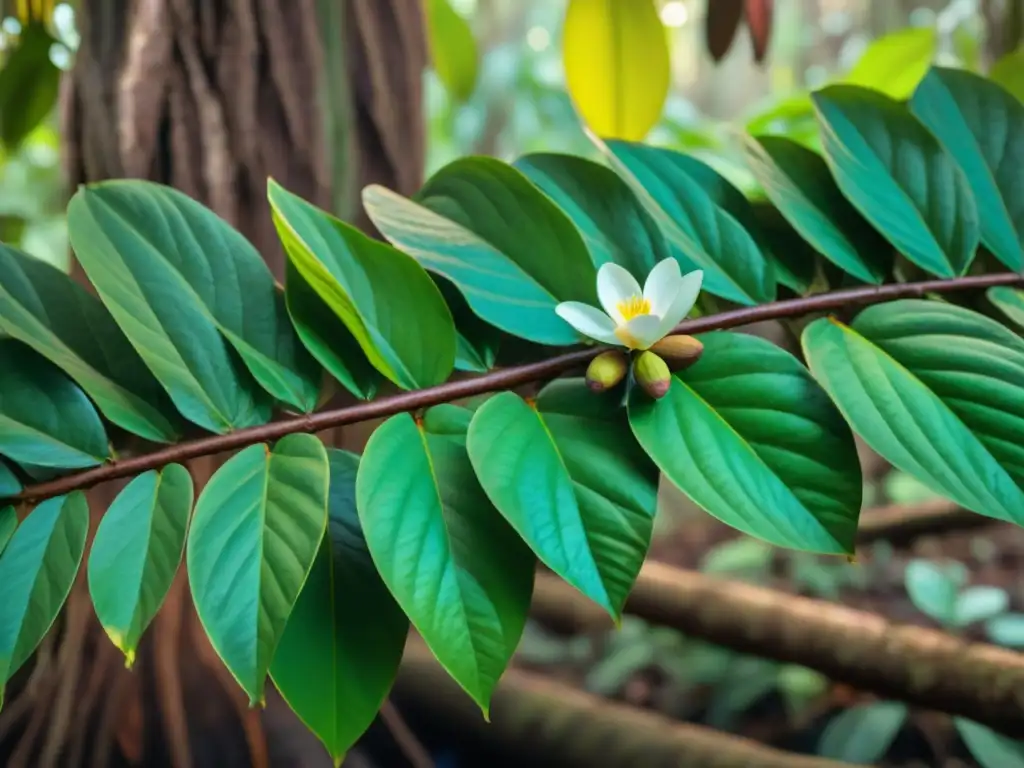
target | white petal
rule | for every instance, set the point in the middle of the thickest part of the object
(615, 284)
(640, 332)
(662, 285)
(689, 288)
(588, 320)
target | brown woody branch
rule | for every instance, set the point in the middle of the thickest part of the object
(900, 523)
(507, 378)
(914, 664)
(538, 722)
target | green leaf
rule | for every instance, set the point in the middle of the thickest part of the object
(749, 436)
(453, 564)
(1009, 301)
(327, 338)
(990, 749)
(44, 418)
(10, 485)
(795, 260)
(453, 50)
(614, 226)
(8, 524)
(1007, 630)
(125, 235)
(510, 251)
(1009, 72)
(899, 177)
(863, 734)
(934, 389)
(617, 68)
(344, 640)
(255, 533)
(799, 184)
(933, 589)
(573, 483)
(37, 570)
(43, 307)
(390, 305)
(982, 127)
(980, 604)
(477, 343)
(136, 552)
(700, 234)
(29, 84)
(895, 63)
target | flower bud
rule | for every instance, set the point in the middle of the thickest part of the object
(678, 351)
(606, 370)
(652, 374)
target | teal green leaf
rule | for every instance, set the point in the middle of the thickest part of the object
(43, 307)
(8, 524)
(899, 177)
(990, 749)
(45, 419)
(10, 485)
(982, 126)
(863, 734)
(510, 251)
(37, 570)
(1009, 72)
(936, 390)
(749, 436)
(387, 302)
(125, 235)
(136, 552)
(796, 262)
(453, 564)
(344, 640)
(700, 233)
(799, 184)
(213, 268)
(1009, 301)
(614, 226)
(327, 338)
(477, 343)
(255, 533)
(573, 483)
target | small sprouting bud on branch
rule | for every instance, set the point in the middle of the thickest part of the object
(652, 374)
(679, 351)
(607, 370)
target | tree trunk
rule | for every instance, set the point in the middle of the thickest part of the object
(212, 97)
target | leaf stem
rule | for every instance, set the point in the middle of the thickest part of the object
(502, 379)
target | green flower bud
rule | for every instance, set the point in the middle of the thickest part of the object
(606, 370)
(652, 374)
(679, 351)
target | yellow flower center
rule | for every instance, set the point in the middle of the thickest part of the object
(632, 307)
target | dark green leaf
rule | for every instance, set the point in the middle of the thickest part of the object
(749, 436)
(126, 236)
(799, 184)
(37, 570)
(477, 343)
(936, 390)
(255, 534)
(390, 305)
(990, 749)
(44, 308)
(982, 127)
(573, 483)
(700, 233)
(864, 733)
(327, 338)
(899, 177)
(10, 485)
(29, 83)
(614, 226)
(45, 419)
(795, 260)
(136, 552)
(344, 640)
(513, 254)
(453, 564)
(8, 524)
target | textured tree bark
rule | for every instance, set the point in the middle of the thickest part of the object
(914, 664)
(212, 97)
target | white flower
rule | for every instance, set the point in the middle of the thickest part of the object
(633, 318)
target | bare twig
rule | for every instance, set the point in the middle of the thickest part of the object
(914, 664)
(411, 747)
(507, 378)
(900, 523)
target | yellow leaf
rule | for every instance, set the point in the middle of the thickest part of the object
(1009, 72)
(896, 63)
(616, 65)
(452, 48)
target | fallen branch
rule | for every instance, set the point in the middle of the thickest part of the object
(900, 523)
(506, 378)
(541, 723)
(914, 664)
